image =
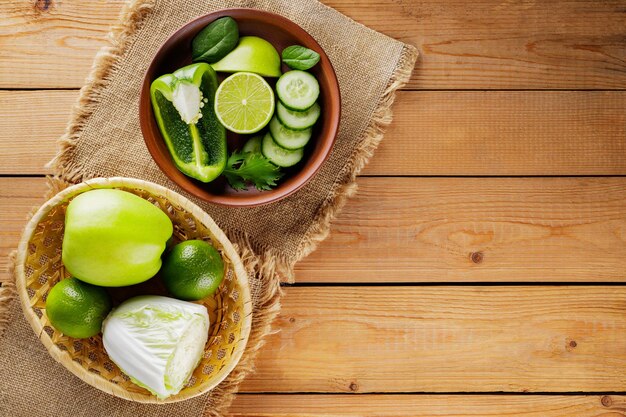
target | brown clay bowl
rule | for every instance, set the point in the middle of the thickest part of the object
(281, 32)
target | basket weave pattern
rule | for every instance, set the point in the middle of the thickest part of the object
(39, 268)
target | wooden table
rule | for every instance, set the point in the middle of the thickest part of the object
(480, 269)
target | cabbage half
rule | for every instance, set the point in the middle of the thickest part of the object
(157, 341)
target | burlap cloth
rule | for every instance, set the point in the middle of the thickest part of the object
(104, 139)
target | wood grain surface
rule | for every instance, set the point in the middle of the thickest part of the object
(397, 310)
(494, 44)
(428, 406)
(446, 339)
(433, 133)
(445, 230)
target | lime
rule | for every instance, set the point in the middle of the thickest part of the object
(192, 270)
(244, 103)
(76, 308)
(252, 54)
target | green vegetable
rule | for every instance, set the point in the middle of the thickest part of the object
(157, 341)
(298, 120)
(253, 144)
(114, 238)
(215, 41)
(278, 155)
(287, 138)
(251, 167)
(300, 58)
(297, 90)
(183, 107)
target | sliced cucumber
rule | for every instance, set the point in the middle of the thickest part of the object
(253, 145)
(298, 90)
(280, 156)
(298, 120)
(287, 138)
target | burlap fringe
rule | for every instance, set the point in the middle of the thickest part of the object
(346, 186)
(265, 269)
(7, 295)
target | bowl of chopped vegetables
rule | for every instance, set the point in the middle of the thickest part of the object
(240, 107)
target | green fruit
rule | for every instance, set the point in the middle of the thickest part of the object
(193, 270)
(114, 238)
(244, 103)
(77, 309)
(253, 54)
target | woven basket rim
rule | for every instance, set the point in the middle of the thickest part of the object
(62, 357)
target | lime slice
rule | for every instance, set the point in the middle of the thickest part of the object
(244, 103)
(252, 54)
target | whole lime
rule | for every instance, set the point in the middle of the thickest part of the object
(192, 270)
(76, 308)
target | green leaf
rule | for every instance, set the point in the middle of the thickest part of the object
(300, 58)
(215, 41)
(244, 167)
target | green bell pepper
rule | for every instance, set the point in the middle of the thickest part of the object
(114, 238)
(183, 108)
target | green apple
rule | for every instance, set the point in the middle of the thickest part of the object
(253, 54)
(114, 238)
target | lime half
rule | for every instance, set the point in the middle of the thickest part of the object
(244, 103)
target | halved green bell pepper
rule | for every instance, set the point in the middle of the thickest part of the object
(183, 107)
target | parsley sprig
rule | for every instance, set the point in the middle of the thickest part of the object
(251, 167)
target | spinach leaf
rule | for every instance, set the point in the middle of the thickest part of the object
(300, 58)
(215, 41)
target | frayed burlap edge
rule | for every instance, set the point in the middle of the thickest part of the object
(265, 268)
(345, 185)
(7, 295)
(269, 265)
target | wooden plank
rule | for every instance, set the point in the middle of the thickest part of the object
(433, 133)
(18, 196)
(370, 405)
(494, 44)
(476, 229)
(505, 133)
(446, 339)
(30, 124)
(446, 230)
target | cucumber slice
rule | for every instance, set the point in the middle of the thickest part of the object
(253, 145)
(298, 120)
(287, 138)
(298, 90)
(280, 156)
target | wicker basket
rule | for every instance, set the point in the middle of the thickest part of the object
(39, 267)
